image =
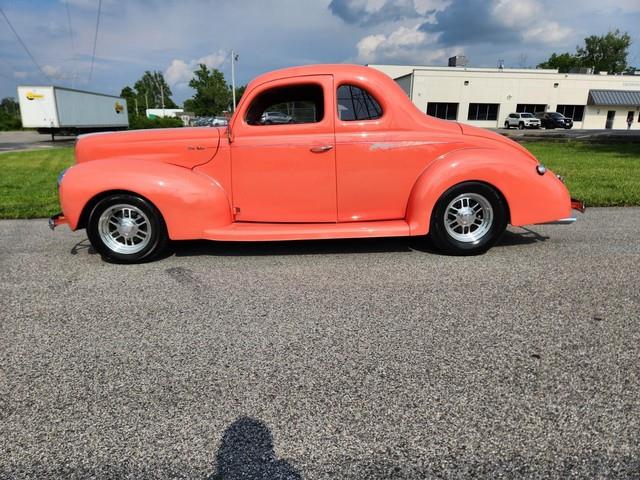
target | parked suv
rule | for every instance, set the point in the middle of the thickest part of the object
(554, 120)
(522, 120)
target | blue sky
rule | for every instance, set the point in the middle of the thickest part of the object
(175, 35)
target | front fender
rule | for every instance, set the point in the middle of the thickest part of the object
(190, 202)
(531, 198)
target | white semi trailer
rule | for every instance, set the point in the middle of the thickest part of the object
(66, 111)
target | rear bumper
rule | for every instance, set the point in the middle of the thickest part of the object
(575, 205)
(57, 219)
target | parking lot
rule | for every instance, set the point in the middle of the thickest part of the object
(344, 359)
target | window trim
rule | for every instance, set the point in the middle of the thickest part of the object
(383, 110)
(283, 83)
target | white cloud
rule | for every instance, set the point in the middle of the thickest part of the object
(408, 44)
(529, 19)
(180, 72)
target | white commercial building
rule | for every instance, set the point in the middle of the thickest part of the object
(485, 96)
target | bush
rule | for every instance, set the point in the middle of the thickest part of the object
(137, 123)
(9, 122)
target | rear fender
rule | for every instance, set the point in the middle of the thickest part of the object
(189, 202)
(530, 197)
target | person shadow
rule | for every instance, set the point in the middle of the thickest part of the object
(246, 452)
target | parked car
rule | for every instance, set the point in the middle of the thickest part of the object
(522, 120)
(554, 120)
(381, 168)
(268, 118)
(218, 122)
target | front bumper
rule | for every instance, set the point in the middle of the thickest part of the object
(57, 219)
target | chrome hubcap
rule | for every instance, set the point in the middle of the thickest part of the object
(468, 217)
(124, 229)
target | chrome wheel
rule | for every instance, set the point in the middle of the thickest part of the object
(124, 229)
(468, 217)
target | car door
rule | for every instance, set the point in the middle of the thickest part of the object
(286, 172)
(377, 163)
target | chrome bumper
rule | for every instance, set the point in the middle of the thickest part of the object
(57, 219)
(575, 205)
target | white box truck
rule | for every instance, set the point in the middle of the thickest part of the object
(66, 111)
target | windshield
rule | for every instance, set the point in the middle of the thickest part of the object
(557, 115)
(527, 115)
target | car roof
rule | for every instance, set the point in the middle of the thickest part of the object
(320, 69)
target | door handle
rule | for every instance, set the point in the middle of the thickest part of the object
(323, 148)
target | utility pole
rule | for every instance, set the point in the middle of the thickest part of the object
(234, 59)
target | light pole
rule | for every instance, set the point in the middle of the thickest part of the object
(234, 59)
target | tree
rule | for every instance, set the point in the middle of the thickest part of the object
(150, 85)
(239, 92)
(564, 62)
(130, 96)
(607, 53)
(213, 95)
(9, 114)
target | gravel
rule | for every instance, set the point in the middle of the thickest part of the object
(349, 359)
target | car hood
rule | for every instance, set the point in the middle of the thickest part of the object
(493, 136)
(185, 147)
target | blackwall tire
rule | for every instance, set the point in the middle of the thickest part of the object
(126, 228)
(468, 219)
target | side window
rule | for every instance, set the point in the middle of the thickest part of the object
(354, 103)
(291, 104)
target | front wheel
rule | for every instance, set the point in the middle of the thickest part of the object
(521, 126)
(125, 228)
(468, 219)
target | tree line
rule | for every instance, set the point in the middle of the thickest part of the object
(602, 53)
(213, 95)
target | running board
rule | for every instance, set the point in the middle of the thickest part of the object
(260, 232)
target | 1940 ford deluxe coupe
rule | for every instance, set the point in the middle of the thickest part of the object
(354, 158)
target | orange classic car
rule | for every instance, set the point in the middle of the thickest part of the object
(313, 152)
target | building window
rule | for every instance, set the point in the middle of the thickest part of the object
(483, 111)
(447, 111)
(530, 107)
(572, 111)
(354, 103)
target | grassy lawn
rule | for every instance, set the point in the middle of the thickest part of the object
(600, 175)
(28, 182)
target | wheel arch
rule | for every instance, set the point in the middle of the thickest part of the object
(189, 202)
(502, 170)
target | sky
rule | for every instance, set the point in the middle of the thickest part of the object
(174, 36)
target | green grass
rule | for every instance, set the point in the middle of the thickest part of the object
(28, 182)
(600, 175)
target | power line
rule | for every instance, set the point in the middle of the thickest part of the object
(95, 38)
(24, 46)
(73, 48)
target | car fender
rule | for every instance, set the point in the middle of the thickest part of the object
(530, 197)
(189, 202)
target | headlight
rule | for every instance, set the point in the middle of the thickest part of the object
(541, 169)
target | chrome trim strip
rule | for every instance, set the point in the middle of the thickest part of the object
(562, 221)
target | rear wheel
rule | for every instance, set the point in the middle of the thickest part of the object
(468, 219)
(506, 125)
(126, 228)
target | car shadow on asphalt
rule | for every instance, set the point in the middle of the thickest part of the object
(523, 236)
(247, 451)
(190, 248)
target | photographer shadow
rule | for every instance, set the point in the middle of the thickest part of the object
(246, 451)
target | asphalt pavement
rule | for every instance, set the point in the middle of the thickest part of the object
(31, 140)
(357, 359)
